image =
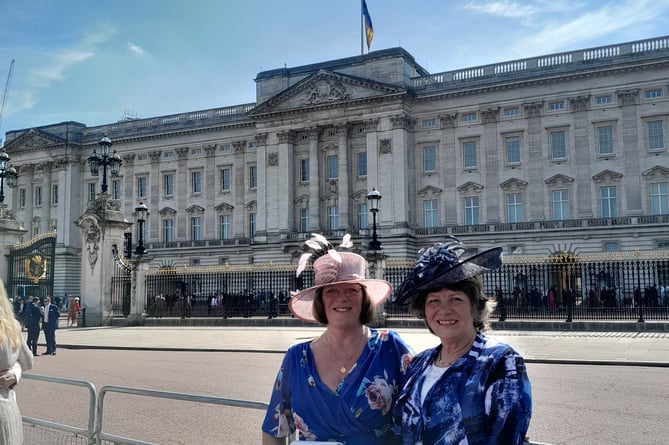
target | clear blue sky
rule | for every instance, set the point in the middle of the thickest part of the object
(90, 61)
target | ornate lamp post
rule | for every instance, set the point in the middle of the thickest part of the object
(142, 212)
(105, 159)
(7, 174)
(374, 197)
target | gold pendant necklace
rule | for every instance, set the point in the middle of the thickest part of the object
(342, 369)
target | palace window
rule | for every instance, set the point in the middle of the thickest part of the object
(332, 167)
(363, 216)
(333, 218)
(659, 198)
(196, 181)
(430, 159)
(304, 170)
(168, 230)
(141, 186)
(607, 197)
(116, 189)
(253, 176)
(224, 227)
(558, 145)
(605, 136)
(196, 228)
(224, 179)
(655, 135)
(469, 154)
(304, 219)
(471, 210)
(514, 207)
(430, 212)
(168, 184)
(512, 150)
(362, 164)
(54, 194)
(560, 204)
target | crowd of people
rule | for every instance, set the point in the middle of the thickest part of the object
(355, 385)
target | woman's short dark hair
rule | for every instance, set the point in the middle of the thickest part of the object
(481, 306)
(367, 312)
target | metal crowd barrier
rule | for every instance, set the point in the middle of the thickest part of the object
(37, 430)
(43, 431)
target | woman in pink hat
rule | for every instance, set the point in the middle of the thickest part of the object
(340, 386)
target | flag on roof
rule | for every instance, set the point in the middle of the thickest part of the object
(369, 29)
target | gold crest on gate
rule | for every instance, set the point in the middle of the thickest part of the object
(35, 268)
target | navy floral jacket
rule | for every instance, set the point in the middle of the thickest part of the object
(482, 399)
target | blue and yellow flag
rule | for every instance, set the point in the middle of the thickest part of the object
(369, 29)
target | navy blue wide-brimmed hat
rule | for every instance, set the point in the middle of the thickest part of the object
(441, 265)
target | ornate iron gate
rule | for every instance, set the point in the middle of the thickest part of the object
(31, 266)
(121, 285)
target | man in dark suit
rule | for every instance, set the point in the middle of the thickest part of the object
(50, 324)
(33, 319)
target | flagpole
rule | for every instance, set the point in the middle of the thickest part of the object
(362, 34)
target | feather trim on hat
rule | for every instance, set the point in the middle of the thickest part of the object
(319, 246)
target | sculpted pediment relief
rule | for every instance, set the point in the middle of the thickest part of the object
(469, 187)
(33, 139)
(224, 207)
(513, 184)
(429, 190)
(324, 88)
(167, 211)
(605, 175)
(656, 172)
(195, 209)
(558, 180)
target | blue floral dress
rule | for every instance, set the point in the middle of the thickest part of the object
(359, 412)
(483, 398)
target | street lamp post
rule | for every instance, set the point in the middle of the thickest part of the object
(7, 174)
(142, 212)
(104, 159)
(374, 197)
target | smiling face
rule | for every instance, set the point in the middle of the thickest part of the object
(342, 302)
(449, 314)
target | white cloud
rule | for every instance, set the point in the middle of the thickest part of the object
(135, 49)
(43, 76)
(609, 18)
(503, 8)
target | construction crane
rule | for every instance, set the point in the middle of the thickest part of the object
(4, 96)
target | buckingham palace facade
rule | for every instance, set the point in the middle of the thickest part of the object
(563, 153)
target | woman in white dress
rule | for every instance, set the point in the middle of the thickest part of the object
(15, 357)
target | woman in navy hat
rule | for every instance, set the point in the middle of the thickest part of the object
(471, 389)
(341, 386)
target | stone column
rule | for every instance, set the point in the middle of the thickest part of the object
(490, 164)
(138, 292)
(315, 172)
(343, 177)
(449, 200)
(182, 182)
(583, 199)
(102, 226)
(628, 100)
(536, 206)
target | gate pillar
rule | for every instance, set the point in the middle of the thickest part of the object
(102, 227)
(138, 292)
(376, 265)
(11, 231)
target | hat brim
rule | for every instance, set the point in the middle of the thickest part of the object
(469, 267)
(301, 304)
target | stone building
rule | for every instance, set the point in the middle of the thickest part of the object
(564, 153)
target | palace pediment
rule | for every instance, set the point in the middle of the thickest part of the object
(429, 190)
(558, 179)
(33, 139)
(656, 172)
(470, 187)
(513, 184)
(325, 89)
(607, 175)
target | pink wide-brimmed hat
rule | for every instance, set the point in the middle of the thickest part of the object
(336, 268)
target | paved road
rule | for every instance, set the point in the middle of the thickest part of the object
(621, 348)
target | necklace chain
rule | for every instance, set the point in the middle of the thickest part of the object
(342, 369)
